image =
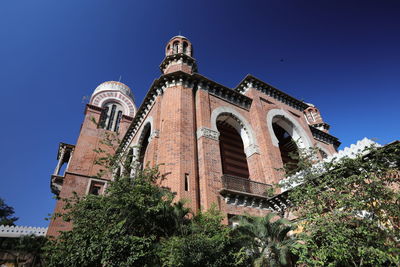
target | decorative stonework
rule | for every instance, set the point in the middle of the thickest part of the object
(251, 149)
(195, 81)
(207, 133)
(252, 82)
(18, 231)
(324, 137)
(290, 124)
(100, 98)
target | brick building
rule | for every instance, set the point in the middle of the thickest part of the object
(216, 144)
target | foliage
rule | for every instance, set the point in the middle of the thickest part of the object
(26, 249)
(348, 209)
(266, 239)
(205, 242)
(136, 223)
(6, 214)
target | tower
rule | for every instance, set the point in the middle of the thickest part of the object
(178, 56)
(110, 110)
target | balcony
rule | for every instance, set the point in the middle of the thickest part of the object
(56, 183)
(245, 186)
(243, 192)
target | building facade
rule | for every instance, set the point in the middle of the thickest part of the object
(215, 145)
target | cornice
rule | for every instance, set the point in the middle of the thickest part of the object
(324, 137)
(178, 57)
(223, 92)
(195, 81)
(93, 107)
(252, 82)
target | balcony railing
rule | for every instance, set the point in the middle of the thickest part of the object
(244, 185)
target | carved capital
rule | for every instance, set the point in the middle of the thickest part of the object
(251, 149)
(208, 133)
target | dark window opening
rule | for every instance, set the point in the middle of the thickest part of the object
(287, 146)
(185, 46)
(176, 47)
(233, 158)
(103, 117)
(118, 121)
(143, 147)
(111, 120)
(96, 188)
(186, 182)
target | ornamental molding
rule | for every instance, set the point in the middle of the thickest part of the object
(102, 97)
(178, 59)
(18, 231)
(251, 150)
(207, 133)
(195, 81)
(290, 125)
(252, 82)
(324, 137)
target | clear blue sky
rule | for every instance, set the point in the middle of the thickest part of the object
(342, 56)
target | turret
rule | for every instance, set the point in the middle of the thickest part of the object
(178, 56)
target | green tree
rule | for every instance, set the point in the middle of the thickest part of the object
(348, 209)
(204, 242)
(6, 214)
(136, 223)
(266, 239)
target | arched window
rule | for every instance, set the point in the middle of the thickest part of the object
(144, 144)
(233, 157)
(118, 121)
(287, 146)
(175, 46)
(185, 47)
(111, 116)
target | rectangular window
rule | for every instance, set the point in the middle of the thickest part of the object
(186, 181)
(96, 188)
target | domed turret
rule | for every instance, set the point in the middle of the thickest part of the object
(115, 87)
(116, 100)
(178, 56)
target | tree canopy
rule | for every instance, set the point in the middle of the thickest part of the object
(6, 214)
(136, 223)
(348, 209)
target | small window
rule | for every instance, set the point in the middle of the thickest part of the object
(185, 46)
(176, 47)
(186, 182)
(96, 188)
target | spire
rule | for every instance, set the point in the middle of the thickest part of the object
(178, 56)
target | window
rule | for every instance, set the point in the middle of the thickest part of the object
(186, 181)
(185, 46)
(233, 157)
(176, 47)
(96, 188)
(111, 116)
